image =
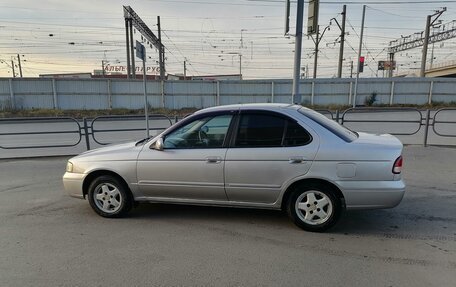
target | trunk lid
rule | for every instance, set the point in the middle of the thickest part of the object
(385, 140)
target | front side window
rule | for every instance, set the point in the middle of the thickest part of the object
(259, 130)
(208, 132)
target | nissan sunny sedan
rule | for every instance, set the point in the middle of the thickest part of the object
(272, 156)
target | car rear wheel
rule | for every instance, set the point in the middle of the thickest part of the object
(109, 197)
(313, 207)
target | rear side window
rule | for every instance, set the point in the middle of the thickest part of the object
(334, 127)
(296, 135)
(261, 130)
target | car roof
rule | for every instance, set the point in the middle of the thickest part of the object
(256, 106)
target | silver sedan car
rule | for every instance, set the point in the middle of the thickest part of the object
(273, 156)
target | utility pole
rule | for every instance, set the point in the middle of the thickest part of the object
(317, 41)
(425, 46)
(161, 51)
(103, 68)
(351, 69)
(391, 60)
(128, 48)
(146, 105)
(20, 67)
(132, 52)
(185, 70)
(297, 56)
(240, 66)
(12, 66)
(342, 41)
(429, 23)
(359, 56)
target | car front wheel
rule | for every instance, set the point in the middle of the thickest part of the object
(109, 197)
(314, 208)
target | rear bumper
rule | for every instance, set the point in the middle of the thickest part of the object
(372, 194)
(72, 182)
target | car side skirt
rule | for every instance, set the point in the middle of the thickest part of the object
(274, 206)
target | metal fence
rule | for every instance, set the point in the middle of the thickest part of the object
(68, 132)
(38, 133)
(439, 120)
(29, 93)
(14, 140)
(92, 129)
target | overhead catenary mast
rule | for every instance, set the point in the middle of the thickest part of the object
(424, 38)
(133, 20)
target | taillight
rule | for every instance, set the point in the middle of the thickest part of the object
(397, 167)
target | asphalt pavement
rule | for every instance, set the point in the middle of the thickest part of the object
(50, 239)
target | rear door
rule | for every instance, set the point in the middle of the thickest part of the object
(268, 150)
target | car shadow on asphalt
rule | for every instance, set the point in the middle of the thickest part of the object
(386, 222)
(207, 213)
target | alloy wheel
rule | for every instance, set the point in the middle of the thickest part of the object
(314, 207)
(107, 197)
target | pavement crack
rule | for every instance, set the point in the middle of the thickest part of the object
(13, 188)
(37, 209)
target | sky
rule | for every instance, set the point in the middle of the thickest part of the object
(60, 36)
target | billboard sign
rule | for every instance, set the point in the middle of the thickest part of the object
(386, 65)
(312, 17)
(123, 69)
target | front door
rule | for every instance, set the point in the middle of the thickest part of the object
(191, 164)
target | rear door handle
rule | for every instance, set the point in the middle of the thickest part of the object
(296, 159)
(213, 159)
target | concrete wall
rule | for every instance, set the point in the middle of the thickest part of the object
(28, 93)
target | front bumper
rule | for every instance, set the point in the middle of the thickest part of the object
(72, 182)
(372, 194)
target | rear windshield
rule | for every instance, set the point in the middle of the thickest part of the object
(337, 129)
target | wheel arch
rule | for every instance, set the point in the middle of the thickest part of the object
(312, 181)
(100, 172)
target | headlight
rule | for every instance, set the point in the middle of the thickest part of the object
(69, 167)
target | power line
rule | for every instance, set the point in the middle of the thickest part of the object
(184, 58)
(270, 48)
(365, 2)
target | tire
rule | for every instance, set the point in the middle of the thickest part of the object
(314, 207)
(109, 197)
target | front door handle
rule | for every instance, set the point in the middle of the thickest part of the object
(296, 159)
(213, 159)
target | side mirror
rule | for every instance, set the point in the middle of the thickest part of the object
(159, 144)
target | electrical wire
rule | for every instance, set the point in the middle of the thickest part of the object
(272, 50)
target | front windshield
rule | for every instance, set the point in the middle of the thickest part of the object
(334, 127)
